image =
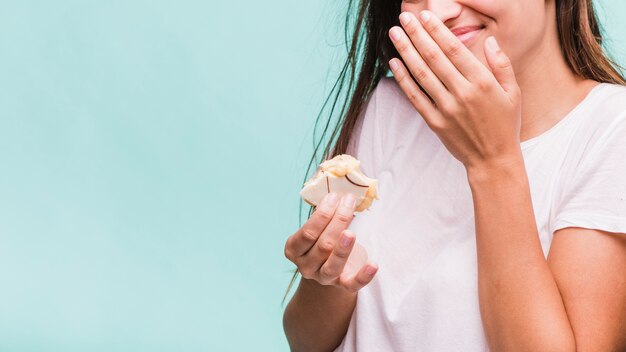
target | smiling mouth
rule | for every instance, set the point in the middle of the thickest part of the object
(467, 38)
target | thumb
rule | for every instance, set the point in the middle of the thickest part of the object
(500, 65)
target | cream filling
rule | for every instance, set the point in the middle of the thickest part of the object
(341, 175)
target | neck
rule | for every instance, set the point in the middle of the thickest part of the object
(550, 89)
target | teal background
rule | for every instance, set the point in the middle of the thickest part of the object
(151, 154)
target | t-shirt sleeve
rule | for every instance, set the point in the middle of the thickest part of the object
(594, 197)
(366, 140)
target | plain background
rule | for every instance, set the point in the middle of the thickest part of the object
(151, 154)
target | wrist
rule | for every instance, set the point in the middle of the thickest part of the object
(509, 168)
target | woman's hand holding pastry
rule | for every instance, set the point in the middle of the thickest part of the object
(324, 249)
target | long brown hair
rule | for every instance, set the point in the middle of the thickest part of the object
(370, 50)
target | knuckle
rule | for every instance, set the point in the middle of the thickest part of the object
(483, 85)
(448, 107)
(360, 281)
(413, 97)
(420, 74)
(323, 215)
(325, 247)
(308, 234)
(352, 288)
(342, 254)
(343, 217)
(454, 48)
(399, 77)
(411, 29)
(434, 27)
(349, 288)
(327, 273)
(466, 96)
(345, 283)
(288, 253)
(323, 281)
(431, 54)
(505, 62)
(454, 111)
(306, 273)
(402, 46)
(402, 79)
(437, 125)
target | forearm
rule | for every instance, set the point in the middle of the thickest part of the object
(318, 316)
(520, 304)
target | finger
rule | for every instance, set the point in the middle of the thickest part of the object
(363, 277)
(500, 65)
(418, 99)
(452, 47)
(302, 241)
(322, 249)
(333, 267)
(417, 66)
(433, 55)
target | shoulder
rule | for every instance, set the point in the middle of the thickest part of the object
(386, 107)
(392, 106)
(608, 101)
(388, 86)
(605, 115)
(613, 90)
(600, 136)
(389, 93)
(385, 117)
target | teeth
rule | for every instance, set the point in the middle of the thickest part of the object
(341, 175)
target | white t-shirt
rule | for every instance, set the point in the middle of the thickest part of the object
(421, 231)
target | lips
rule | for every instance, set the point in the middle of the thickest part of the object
(466, 33)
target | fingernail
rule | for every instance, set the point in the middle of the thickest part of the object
(370, 270)
(345, 241)
(348, 200)
(331, 199)
(393, 64)
(394, 33)
(405, 18)
(425, 16)
(492, 44)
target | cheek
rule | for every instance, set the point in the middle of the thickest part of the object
(411, 7)
(515, 33)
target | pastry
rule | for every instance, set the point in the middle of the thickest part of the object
(341, 175)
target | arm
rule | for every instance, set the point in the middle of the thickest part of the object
(574, 301)
(334, 268)
(526, 304)
(589, 267)
(317, 317)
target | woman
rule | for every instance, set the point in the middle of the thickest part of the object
(500, 148)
